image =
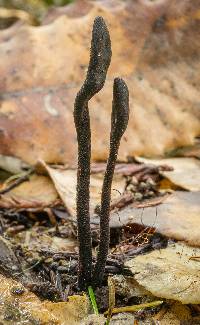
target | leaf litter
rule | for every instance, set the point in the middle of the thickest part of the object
(48, 245)
(176, 217)
(171, 273)
(161, 217)
(185, 173)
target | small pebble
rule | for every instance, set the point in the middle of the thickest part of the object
(151, 193)
(150, 183)
(133, 188)
(138, 196)
(143, 186)
(15, 268)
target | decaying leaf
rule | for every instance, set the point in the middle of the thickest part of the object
(190, 151)
(129, 287)
(155, 48)
(20, 306)
(65, 184)
(176, 217)
(171, 273)
(185, 173)
(71, 312)
(174, 314)
(38, 192)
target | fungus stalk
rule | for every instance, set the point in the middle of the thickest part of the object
(100, 56)
(119, 122)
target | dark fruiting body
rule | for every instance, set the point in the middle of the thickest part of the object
(100, 57)
(119, 122)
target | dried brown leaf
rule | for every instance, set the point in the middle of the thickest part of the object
(176, 217)
(155, 47)
(185, 173)
(38, 193)
(169, 273)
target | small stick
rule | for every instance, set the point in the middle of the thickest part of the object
(134, 308)
(23, 178)
(100, 56)
(119, 121)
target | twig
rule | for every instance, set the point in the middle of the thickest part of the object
(111, 288)
(23, 178)
(119, 121)
(129, 309)
(100, 57)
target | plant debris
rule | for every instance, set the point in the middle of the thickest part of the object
(152, 203)
(177, 217)
(169, 273)
(185, 172)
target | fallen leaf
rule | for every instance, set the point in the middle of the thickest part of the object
(155, 48)
(71, 312)
(128, 287)
(65, 184)
(173, 314)
(131, 169)
(169, 273)
(176, 217)
(190, 151)
(185, 173)
(36, 193)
